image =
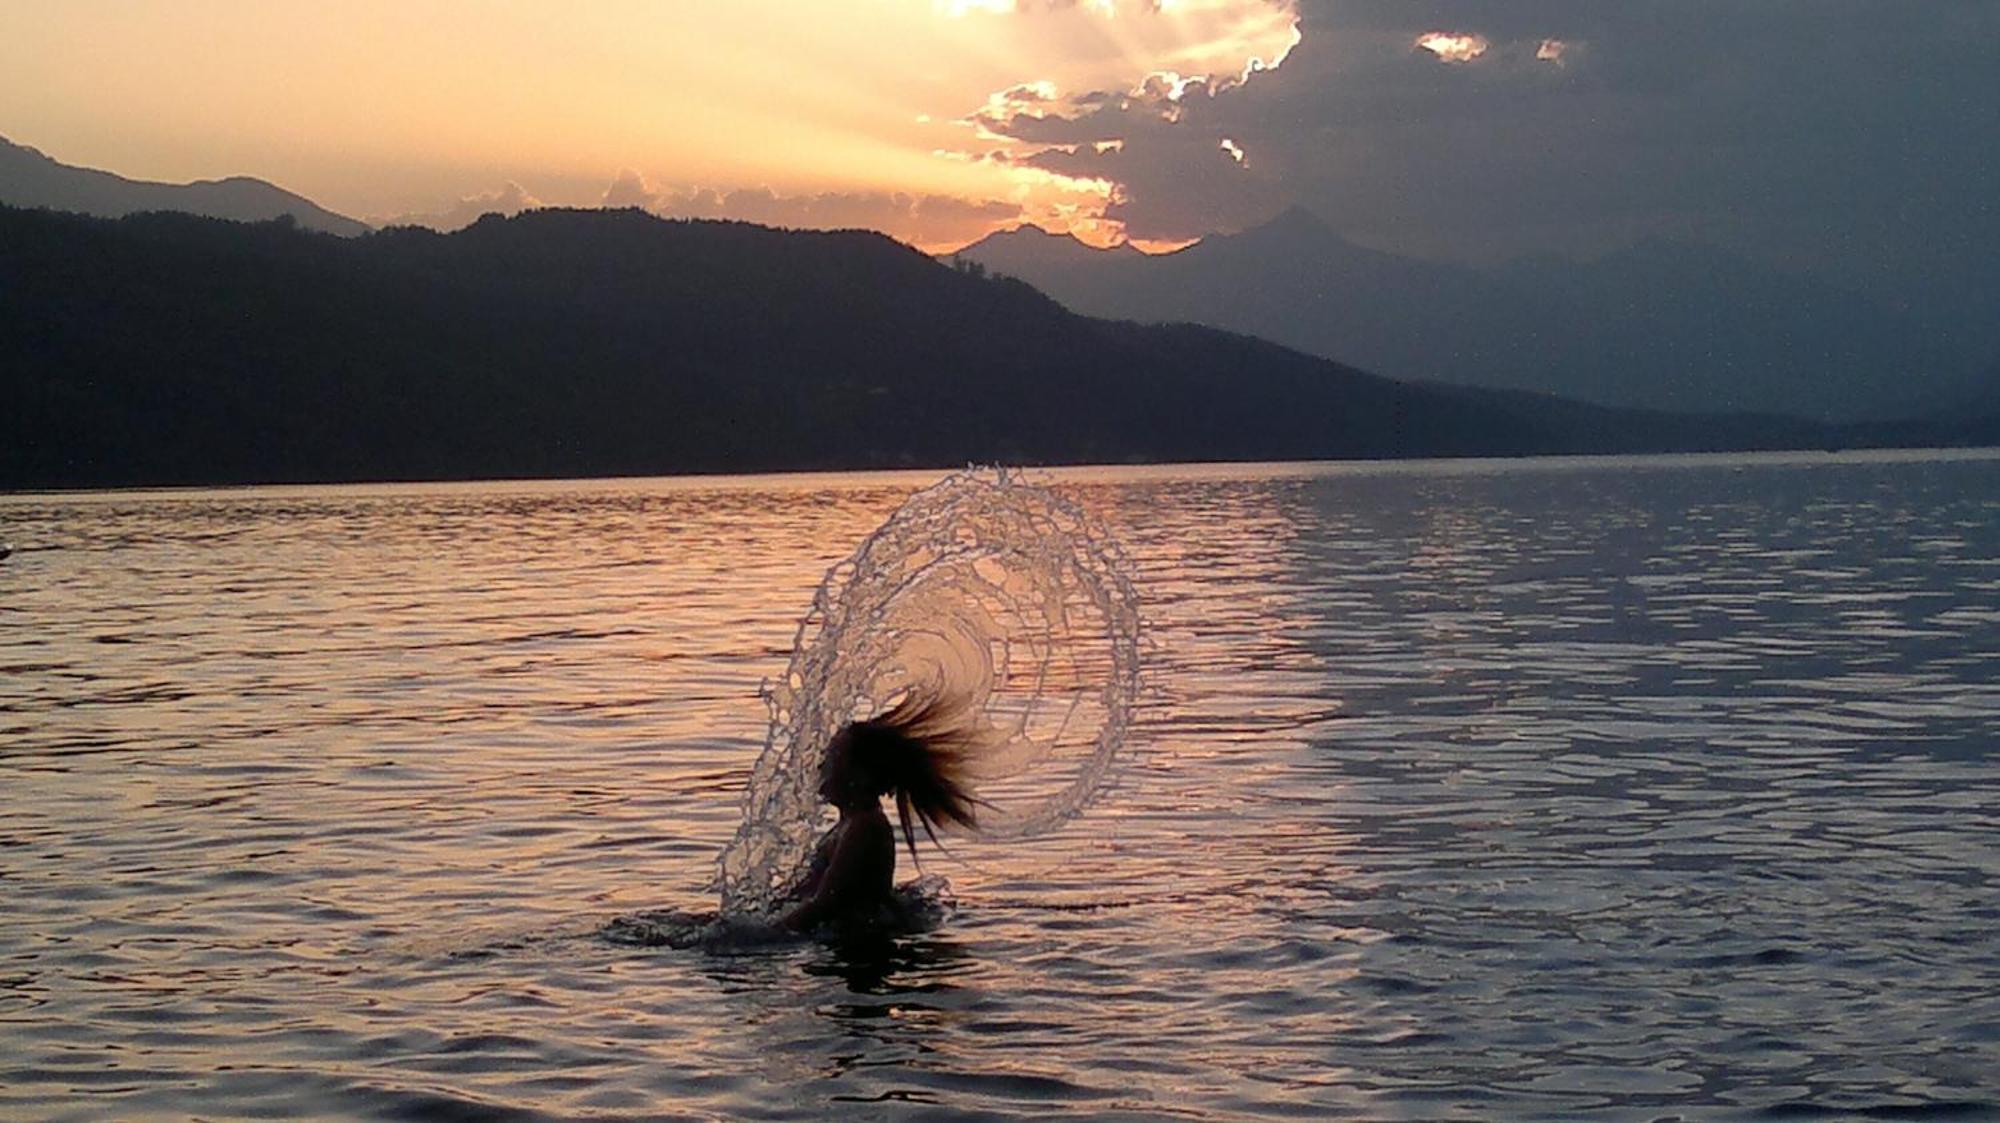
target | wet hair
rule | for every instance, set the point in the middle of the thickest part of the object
(919, 750)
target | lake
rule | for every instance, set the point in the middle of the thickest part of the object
(1561, 789)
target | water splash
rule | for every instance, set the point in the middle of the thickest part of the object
(982, 587)
(922, 905)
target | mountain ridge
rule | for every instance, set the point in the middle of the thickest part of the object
(31, 178)
(171, 349)
(1661, 324)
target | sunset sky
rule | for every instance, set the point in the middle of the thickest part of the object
(1853, 137)
(896, 113)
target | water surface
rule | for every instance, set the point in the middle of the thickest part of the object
(1629, 789)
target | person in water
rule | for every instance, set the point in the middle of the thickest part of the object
(917, 752)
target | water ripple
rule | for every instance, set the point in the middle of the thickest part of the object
(1611, 790)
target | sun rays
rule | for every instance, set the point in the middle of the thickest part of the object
(409, 109)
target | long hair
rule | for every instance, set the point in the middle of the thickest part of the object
(919, 750)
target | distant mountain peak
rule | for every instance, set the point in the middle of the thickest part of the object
(1030, 230)
(1294, 232)
(1030, 250)
(1666, 323)
(1028, 235)
(1296, 217)
(603, 343)
(1294, 222)
(32, 178)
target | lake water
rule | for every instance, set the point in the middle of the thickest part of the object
(1630, 789)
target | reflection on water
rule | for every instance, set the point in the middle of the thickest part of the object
(1558, 789)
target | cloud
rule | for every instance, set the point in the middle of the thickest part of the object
(1087, 66)
(510, 199)
(1791, 130)
(1122, 59)
(1166, 145)
(1453, 46)
(1177, 173)
(925, 221)
(629, 190)
(1163, 49)
(1798, 131)
(1145, 142)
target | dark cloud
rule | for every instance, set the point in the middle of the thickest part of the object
(1165, 149)
(1852, 137)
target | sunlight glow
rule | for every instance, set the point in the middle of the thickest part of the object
(389, 112)
(1160, 245)
(1130, 56)
(1453, 47)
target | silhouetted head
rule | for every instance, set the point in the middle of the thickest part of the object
(917, 751)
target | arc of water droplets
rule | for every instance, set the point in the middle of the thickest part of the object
(984, 587)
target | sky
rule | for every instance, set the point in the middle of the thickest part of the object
(1850, 138)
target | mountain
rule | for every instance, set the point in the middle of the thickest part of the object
(164, 348)
(30, 179)
(1031, 249)
(1661, 325)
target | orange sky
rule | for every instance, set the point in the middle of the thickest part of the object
(819, 112)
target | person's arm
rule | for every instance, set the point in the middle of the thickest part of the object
(815, 870)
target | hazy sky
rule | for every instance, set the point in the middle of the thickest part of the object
(1853, 137)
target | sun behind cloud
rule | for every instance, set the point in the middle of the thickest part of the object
(1454, 46)
(847, 109)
